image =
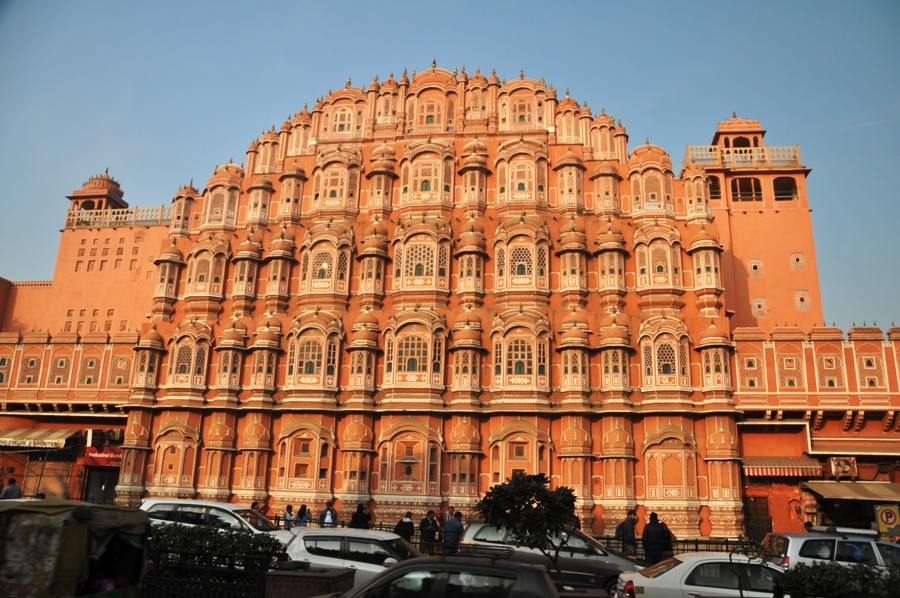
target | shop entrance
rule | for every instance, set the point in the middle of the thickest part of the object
(757, 522)
(101, 484)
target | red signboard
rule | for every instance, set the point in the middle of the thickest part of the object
(108, 456)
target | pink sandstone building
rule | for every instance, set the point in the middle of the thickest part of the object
(421, 286)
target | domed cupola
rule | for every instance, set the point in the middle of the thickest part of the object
(618, 442)
(572, 237)
(234, 337)
(152, 340)
(471, 238)
(610, 238)
(575, 441)
(467, 332)
(364, 334)
(100, 192)
(464, 437)
(282, 246)
(357, 436)
(574, 331)
(704, 239)
(383, 160)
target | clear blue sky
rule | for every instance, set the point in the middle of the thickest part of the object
(161, 92)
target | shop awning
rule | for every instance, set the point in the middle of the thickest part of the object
(781, 466)
(36, 438)
(880, 491)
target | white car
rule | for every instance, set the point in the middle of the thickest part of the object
(368, 552)
(223, 515)
(707, 574)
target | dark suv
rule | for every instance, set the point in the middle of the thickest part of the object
(458, 576)
(585, 563)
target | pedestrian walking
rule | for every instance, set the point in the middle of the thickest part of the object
(453, 531)
(289, 517)
(361, 518)
(449, 515)
(328, 517)
(656, 539)
(304, 516)
(625, 533)
(405, 528)
(668, 547)
(12, 490)
(428, 530)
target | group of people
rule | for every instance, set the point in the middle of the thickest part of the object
(656, 538)
(327, 518)
(430, 528)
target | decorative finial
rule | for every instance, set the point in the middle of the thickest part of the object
(348, 82)
(567, 92)
(404, 71)
(734, 115)
(414, 74)
(375, 79)
(463, 68)
(304, 105)
(433, 62)
(329, 91)
(493, 71)
(107, 170)
(620, 122)
(602, 109)
(230, 161)
(477, 70)
(455, 72)
(192, 182)
(391, 76)
(521, 74)
(647, 140)
(585, 103)
(542, 80)
(503, 82)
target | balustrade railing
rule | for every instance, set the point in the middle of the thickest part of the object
(741, 157)
(118, 218)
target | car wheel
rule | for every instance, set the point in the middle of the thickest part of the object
(611, 587)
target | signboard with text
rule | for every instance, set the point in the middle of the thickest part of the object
(108, 456)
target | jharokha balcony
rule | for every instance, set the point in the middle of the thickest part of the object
(741, 157)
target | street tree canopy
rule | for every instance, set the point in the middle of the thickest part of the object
(535, 515)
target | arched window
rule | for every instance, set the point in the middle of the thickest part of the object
(412, 354)
(519, 357)
(309, 357)
(426, 185)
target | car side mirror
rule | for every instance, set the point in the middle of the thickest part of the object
(390, 562)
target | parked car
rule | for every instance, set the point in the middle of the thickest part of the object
(368, 552)
(223, 515)
(702, 574)
(842, 545)
(444, 577)
(585, 563)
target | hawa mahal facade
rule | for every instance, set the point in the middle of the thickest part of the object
(421, 286)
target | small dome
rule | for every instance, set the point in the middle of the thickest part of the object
(404, 80)
(569, 158)
(373, 244)
(171, 254)
(233, 337)
(464, 436)
(466, 334)
(375, 228)
(358, 435)
(152, 340)
(374, 86)
(609, 237)
(365, 317)
(475, 161)
(618, 441)
(567, 103)
(389, 84)
(574, 318)
(473, 225)
(614, 336)
(572, 226)
(365, 336)
(603, 119)
(475, 146)
(266, 336)
(713, 336)
(256, 433)
(249, 248)
(650, 155)
(574, 336)
(294, 170)
(703, 238)
(494, 79)
(384, 151)
(221, 432)
(471, 242)
(575, 440)
(721, 440)
(605, 169)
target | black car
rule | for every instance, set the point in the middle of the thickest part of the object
(457, 576)
(585, 563)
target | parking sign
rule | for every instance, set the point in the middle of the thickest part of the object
(887, 517)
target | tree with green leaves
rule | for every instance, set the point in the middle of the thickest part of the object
(535, 516)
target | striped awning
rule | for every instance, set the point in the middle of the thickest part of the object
(781, 467)
(36, 438)
(875, 491)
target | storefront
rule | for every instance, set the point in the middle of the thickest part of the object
(851, 504)
(772, 497)
(101, 473)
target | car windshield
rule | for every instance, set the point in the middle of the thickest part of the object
(660, 568)
(404, 549)
(256, 521)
